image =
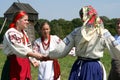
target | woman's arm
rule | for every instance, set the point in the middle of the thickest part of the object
(112, 45)
(62, 47)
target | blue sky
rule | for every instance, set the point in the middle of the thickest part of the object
(67, 9)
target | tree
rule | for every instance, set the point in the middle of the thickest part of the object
(77, 22)
(4, 29)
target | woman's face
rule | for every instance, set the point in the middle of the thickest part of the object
(45, 30)
(118, 28)
(23, 22)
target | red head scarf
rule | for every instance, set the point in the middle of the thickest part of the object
(88, 12)
(92, 22)
(17, 16)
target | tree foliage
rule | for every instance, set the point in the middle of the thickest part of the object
(4, 29)
(62, 27)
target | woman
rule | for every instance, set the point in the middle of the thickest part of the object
(17, 48)
(115, 63)
(48, 70)
(90, 40)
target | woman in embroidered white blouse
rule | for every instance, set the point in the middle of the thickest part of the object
(17, 49)
(50, 69)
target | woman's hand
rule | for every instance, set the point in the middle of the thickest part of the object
(35, 63)
(45, 58)
(38, 56)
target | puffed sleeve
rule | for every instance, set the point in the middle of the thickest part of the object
(62, 47)
(112, 45)
(13, 45)
(36, 48)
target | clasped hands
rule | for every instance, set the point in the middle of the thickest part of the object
(43, 57)
(40, 57)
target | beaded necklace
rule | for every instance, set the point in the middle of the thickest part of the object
(44, 44)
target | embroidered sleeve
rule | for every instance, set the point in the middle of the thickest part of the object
(36, 47)
(61, 48)
(14, 38)
(112, 45)
(13, 42)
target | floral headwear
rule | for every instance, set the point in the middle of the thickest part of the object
(92, 22)
(92, 26)
(17, 16)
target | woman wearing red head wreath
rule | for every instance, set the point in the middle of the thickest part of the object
(17, 48)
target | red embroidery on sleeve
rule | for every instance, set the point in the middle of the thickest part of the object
(14, 38)
(59, 40)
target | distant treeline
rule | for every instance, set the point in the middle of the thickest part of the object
(62, 27)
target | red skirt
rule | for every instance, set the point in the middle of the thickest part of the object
(19, 68)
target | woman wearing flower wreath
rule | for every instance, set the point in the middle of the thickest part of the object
(17, 48)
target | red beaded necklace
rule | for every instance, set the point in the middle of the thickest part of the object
(45, 45)
(24, 38)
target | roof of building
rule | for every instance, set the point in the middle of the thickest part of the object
(33, 14)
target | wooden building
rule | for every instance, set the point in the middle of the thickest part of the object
(32, 13)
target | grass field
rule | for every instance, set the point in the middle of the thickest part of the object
(65, 63)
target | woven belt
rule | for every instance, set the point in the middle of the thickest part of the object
(88, 59)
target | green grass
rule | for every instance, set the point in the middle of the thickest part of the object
(65, 63)
(2, 59)
(106, 60)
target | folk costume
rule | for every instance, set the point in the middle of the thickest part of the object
(115, 65)
(89, 41)
(16, 46)
(48, 70)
